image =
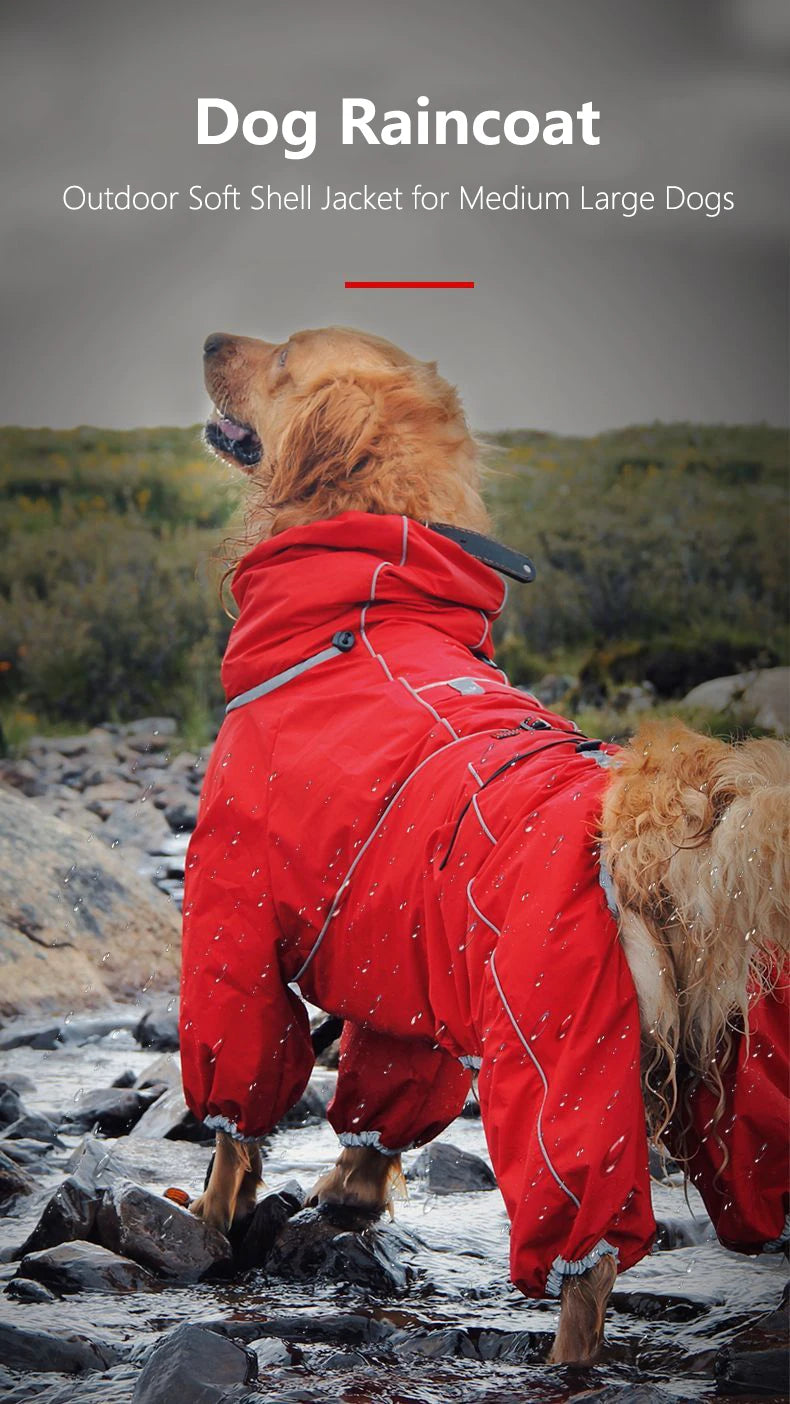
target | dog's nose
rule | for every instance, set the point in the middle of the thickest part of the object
(215, 343)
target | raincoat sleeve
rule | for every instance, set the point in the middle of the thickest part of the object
(394, 1093)
(246, 1054)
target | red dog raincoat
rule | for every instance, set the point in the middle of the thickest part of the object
(392, 830)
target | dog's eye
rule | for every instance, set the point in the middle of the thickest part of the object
(283, 356)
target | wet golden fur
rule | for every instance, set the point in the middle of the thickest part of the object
(694, 832)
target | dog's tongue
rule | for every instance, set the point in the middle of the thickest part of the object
(230, 429)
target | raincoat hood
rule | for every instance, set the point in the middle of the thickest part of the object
(296, 589)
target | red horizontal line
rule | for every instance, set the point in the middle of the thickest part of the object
(410, 283)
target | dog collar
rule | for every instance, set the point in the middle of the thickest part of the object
(491, 553)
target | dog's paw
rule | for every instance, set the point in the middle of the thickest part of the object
(207, 1208)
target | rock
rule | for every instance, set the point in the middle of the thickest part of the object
(103, 798)
(682, 1233)
(111, 1110)
(193, 1366)
(33, 1127)
(151, 726)
(157, 1233)
(758, 1374)
(89, 1029)
(761, 696)
(270, 1352)
(127, 1078)
(69, 1214)
(313, 1103)
(270, 1215)
(170, 1119)
(552, 688)
(138, 826)
(314, 1244)
(163, 1071)
(23, 1289)
(85, 924)
(444, 1169)
(11, 1107)
(97, 1167)
(68, 1353)
(22, 775)
(181, 808)
(20, 1033)
(84, 1267)
(158, 1028)
(14, 1182)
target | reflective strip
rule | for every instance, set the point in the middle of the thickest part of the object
(280, 679)
(539, 1119)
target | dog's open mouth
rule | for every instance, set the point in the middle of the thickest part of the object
(233, 440)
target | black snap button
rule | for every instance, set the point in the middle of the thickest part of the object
(344, 640)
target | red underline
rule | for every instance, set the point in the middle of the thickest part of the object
(411, 283)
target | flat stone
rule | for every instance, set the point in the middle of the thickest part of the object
(170, 1119)
(68, 1353)
(24, 1289)
(96, 1166)
(32, 1126)
(159, 1234)
(193, 1366)
(165, 1070)
(84, 1267)
(21, 1033)
(444, 1169)
(111, 1110)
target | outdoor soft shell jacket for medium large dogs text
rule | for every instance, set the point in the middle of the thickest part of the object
(392, 830)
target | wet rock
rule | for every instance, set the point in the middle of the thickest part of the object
(164, 1071)
(180, 807)
(309, 1109)
(273, 1352)
(21, 1033)
(11, 1107)
(69, 1214)
(96, 1166)
(14, 1182)
(127, 1078)
(435, 1344)
(170, 1119)
(269, 1217)
(23, 1289)
(84, 1267)
(682, 1233)
(758, 1374)
(193, 1366)
(113, 1110)
(661, 1165)
(25, 1151)
(90, 1028)
(69, 1353)
(157, 1233)
(444, 1169)
(73, 918)
(32, 1127)
(631, 1394)
(158, 1028)
(315, 1244)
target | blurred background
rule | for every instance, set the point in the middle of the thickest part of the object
(630, 374)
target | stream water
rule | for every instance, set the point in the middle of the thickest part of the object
(670, 1318)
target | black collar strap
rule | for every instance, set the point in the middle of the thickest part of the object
(491, 553)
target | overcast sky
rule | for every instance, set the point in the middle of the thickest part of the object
(578, 322)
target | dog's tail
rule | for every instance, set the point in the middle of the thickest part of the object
(697, 837)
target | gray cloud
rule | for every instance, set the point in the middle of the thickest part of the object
(577, 322)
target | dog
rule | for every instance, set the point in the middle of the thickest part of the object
(373, 757)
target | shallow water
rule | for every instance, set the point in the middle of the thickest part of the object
(671, 1314)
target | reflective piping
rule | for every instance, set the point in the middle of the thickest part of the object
(481, 820)
(486, 627)
(478, 912)
(405, 548)
(368, 645)
(280, 679)
(442, 750)
(562, 1267)
(368, 1138)
(539, 1118)
(436, 715)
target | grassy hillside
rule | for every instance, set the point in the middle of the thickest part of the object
(661, 553)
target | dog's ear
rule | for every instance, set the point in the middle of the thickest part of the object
(328, 441)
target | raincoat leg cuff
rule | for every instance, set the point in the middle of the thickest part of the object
(371, 1139)
(562, 1268)
(221, 1123)
(777, 1244)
